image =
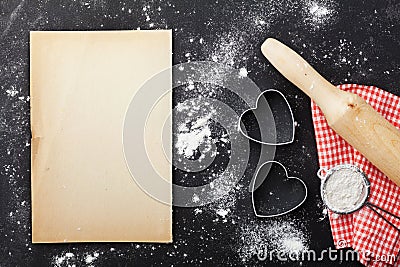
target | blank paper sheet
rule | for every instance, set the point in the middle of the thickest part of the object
(81, 86)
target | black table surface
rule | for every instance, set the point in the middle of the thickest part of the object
(347, 41)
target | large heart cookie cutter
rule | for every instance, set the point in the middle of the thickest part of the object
(265, 128)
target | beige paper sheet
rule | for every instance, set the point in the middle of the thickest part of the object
(81, 86)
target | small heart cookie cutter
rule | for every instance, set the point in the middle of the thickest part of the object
(289, 177)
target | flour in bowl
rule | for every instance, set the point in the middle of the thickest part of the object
(345, 190)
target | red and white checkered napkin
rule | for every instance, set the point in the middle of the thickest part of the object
(377, 242)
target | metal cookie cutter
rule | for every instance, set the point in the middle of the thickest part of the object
(268, 135)
(290, 197)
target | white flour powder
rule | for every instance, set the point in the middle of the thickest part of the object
(193, 134)
(280, 236)
(344, 190)
(190, 138)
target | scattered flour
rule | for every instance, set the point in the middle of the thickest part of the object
(195, 198)
(283, 237)
(91, 257)
(65, 259)
(198, 211)
(318, 13)
(292, 245)
(78, 259)
(69, 255)
(243, 72)
(191, 136)
(345, 190)
(222, 212)
(193, 127)
(12, 92)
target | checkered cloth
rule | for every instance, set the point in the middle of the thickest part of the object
(377, 242)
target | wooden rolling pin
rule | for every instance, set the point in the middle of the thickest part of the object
(346, 113)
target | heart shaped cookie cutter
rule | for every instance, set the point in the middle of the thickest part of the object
(288, 177)
(268, 122)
